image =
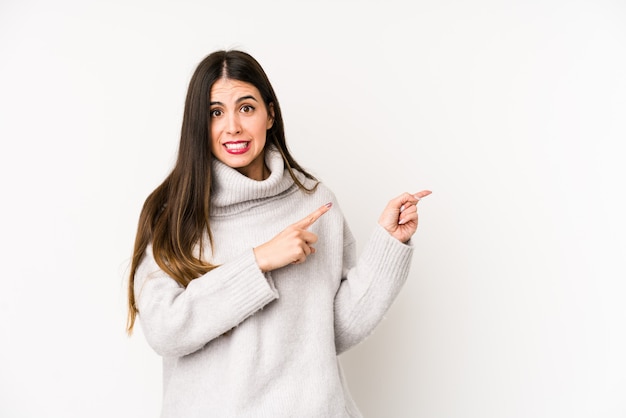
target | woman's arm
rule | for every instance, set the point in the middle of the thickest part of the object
(371, 284)
(177, 321)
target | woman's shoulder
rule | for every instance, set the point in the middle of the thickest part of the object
(320, 190)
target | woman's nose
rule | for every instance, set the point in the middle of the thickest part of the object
(234, 126)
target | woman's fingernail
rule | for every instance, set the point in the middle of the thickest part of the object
(401, 222)
(329, 204)
(402, 208)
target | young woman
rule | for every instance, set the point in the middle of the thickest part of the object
(244, 274)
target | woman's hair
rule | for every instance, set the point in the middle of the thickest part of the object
(175, 217)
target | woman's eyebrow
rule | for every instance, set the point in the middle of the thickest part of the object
(248, 97)
(239, 100)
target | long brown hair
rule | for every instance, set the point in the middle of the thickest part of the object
(176, 215)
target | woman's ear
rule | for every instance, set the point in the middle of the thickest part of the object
(270, 116)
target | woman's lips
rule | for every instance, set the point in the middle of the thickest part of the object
(237, 147)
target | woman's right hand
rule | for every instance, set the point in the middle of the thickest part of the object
(290, 246)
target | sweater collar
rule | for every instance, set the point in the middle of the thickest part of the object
(232, 191)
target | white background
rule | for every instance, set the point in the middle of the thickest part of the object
(511, 112)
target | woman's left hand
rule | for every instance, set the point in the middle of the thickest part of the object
(399, 217)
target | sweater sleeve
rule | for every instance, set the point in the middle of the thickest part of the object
(177, 321)
(370, 285)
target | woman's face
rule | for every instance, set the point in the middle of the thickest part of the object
(239, 121)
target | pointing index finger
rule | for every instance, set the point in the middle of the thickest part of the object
(421, 194)
(314, 216)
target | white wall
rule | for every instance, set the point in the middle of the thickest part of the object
(511, 112)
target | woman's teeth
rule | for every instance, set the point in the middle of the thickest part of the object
(236, 145)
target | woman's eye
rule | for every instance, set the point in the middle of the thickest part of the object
(247, 108)
(215, 113)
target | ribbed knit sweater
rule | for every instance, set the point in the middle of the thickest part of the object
(238, 342)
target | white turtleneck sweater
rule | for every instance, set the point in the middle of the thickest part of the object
(287, 326)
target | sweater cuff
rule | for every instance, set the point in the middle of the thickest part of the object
(248, 288)
(383, 246)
